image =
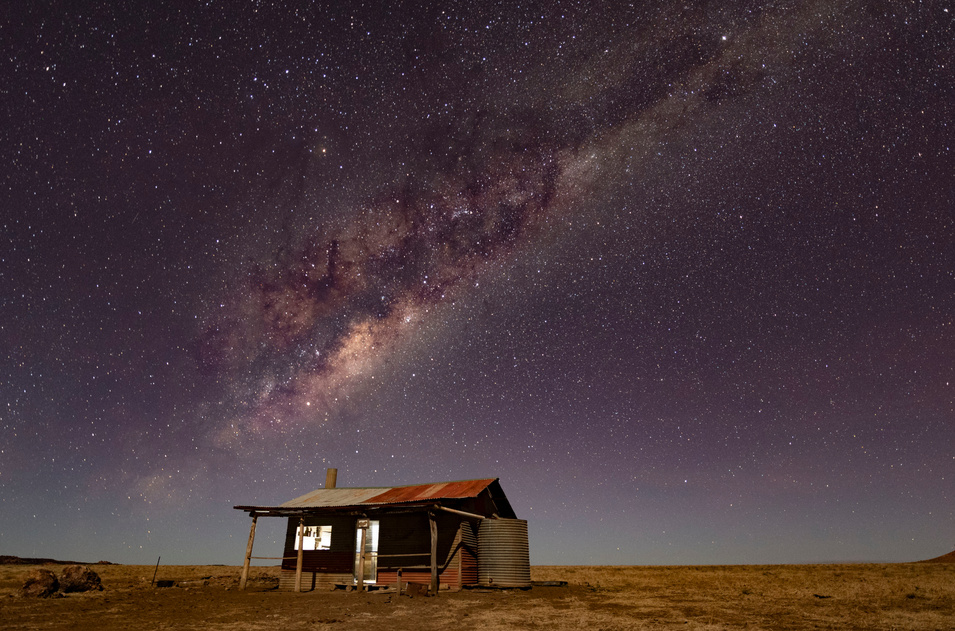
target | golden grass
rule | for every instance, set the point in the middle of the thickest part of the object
(863, 596)
(856, 596)
(133, 576)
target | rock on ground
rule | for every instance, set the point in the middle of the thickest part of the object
(40, 583)
(80, 578)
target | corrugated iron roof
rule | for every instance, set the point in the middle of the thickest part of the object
(343, 497)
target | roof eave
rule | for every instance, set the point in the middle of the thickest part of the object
(292, 511)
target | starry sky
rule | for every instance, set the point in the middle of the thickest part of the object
(681, 274)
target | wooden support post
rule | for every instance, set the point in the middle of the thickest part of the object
(361, 555)
(301, 553)
(434, 553)
(248, 554)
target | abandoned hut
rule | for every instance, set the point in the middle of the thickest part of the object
(445, 534)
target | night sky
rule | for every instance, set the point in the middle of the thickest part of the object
(681, 274)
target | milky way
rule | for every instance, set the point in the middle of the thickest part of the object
(329, 311)
(680, 274)
(313, 323)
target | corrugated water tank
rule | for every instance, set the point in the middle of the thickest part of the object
(503, 553)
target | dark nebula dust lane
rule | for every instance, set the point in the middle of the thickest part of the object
(329, 307)
(679, 273)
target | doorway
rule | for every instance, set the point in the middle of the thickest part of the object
(371, 552)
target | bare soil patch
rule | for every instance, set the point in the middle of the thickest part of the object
(864, 596)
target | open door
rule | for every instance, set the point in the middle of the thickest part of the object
(371, 552)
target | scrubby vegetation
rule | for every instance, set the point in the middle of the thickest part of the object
(863, 596)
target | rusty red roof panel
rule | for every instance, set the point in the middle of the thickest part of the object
(344, 497)
(423, 492)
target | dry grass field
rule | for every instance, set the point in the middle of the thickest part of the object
(863, 596)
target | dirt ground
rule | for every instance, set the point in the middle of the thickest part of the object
(893, 596)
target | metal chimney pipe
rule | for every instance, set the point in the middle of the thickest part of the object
(331, 476)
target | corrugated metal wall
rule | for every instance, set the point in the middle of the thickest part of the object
(405, 534)
(339, 559)
(468, 554)
(313, 580)
(404, 541)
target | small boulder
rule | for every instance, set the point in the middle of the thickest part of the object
(80, 578)
(40, 583)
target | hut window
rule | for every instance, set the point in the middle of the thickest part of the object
(315, 538)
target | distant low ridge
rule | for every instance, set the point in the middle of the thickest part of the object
(945, 558)
(13, 560)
